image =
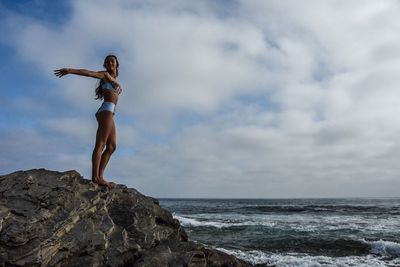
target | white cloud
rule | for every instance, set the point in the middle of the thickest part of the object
(172, 61)
(295, 98)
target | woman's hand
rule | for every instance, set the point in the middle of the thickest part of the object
(61, 72)
(108, 77)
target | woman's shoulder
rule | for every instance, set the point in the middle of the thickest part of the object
(108, 78)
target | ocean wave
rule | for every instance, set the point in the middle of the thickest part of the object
(191, 222)
(301, 223)
(256, 257)
(285, 239)
(322, 209)
(384, 248)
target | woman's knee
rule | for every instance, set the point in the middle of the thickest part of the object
(99, 145)
(111, 148)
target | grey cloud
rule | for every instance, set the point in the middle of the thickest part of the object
(329, 68)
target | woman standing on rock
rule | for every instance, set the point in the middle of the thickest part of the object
(109, 90)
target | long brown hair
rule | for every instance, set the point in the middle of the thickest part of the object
(99, 89)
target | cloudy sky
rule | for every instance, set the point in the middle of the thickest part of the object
(222, 98)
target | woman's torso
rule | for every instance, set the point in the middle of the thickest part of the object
(111, 91)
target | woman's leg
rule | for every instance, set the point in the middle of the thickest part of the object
(105, 122)
(111, 145)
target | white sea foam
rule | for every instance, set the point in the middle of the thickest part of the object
(384, 248)
(305, 223)
(303, 260)
(185, 221)
(295, 222)
(195, 222)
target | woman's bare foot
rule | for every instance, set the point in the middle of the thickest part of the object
(102, 182)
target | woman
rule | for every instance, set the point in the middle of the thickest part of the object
(108, 90)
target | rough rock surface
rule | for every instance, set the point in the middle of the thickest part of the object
(50, 218)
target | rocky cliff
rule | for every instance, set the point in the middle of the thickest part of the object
(50, 218)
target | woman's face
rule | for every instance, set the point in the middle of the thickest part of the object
(111, 64)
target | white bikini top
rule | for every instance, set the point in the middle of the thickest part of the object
(113, 86)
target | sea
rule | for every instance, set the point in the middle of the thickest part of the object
(296, 232)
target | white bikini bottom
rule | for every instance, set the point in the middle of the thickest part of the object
(107, 106)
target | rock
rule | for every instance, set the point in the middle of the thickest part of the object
(50, 218)
(187, 254)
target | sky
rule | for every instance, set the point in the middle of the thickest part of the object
(221, 99)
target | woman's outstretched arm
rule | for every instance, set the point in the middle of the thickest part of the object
(82, 72)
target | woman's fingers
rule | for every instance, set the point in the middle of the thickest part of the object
(57, 73)
(61, 72)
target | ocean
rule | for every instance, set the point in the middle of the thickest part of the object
(295, 232)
